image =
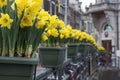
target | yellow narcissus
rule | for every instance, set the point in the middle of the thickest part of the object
(53, 32)
(20, 25)
(3, 3)
(21, 4)
(26, 21)
(61, 36)
(72, 35)
(38, 2)
(42, 14)
(43, 18)
(61, 23)
(44, 37)
(31, 7)
(5, 20)
(101, 48)
(41, 24)
(78, 34)
(56, 31)
(75, 34)
(66, 31)
(53, 22)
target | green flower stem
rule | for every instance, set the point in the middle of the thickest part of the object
(4, 42)
(0, 51)
(4, 51)
(0, 42)
(28, 51)
(33, 53)
(19, 51)
(11, 52)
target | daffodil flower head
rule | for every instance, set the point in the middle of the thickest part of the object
(26, 21)
(44, 37)
(61, 23)
(3, 3)
(5, 20)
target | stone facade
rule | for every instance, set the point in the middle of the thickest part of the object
(105, 15)
(74, 14)
(73, 11)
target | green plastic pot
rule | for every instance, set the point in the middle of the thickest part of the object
(13, 68)
(52, 57)
(82, 48)
(92, 49)
(101, 53)
(72, 50)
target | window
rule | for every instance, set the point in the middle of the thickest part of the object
(108, 1)
(62, 7)
(47, 5)
(62, 2)
(62, 10)
(53, 9)
(107, 28)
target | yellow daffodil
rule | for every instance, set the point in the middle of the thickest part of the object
(41, 24)
(69, 27)
(42, 14)
(54, 21)
(61, 23)
(61, 36)
(49, 32)
(21, 4)
(65, 32)
(72, 35)
(26, 21)
(101, 48)
(54, 32)
(32, 8)
(5, 20)
(44, 37)
(39, 3)
(3, 3)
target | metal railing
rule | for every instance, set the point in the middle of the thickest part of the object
(79, 68)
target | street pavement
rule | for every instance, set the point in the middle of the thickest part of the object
(106, 73)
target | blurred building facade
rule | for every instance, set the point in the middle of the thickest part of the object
(105, 15)
(74, 12)
(51, 6)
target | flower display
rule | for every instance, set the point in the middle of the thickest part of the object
(22, 23)
(100, 48)
(56, 33)
(77, 36)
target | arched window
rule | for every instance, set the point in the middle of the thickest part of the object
(107, 28)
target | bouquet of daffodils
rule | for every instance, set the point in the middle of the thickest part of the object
(77, 36)
(101, 48)
(22, 23)
(56, 33)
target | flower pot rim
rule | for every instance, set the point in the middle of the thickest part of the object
(72, 44)
(88, 44)
(52, 47)
(19, 60)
